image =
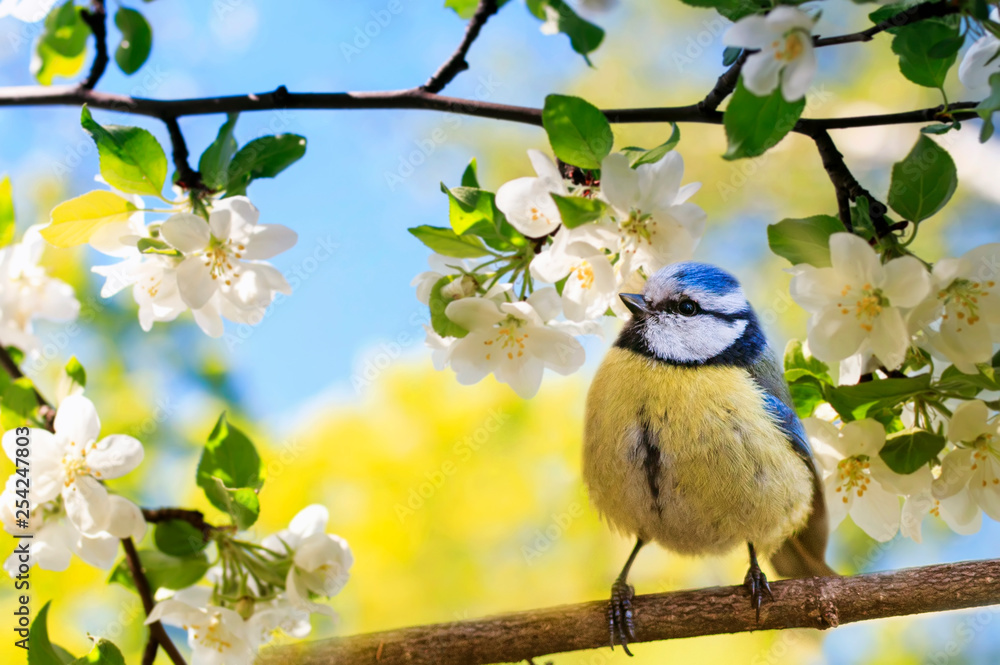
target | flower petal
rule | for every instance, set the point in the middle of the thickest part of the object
(186, 232)
(474, 313)
(752, 32)
(619, 183)
(761, 73)
(194, 280)
(890, 338)
(854, 260)
(834, 335)
(87, 505)
(126, 519)
(799, 73)
(905, 281)
(114, 456)
(76, 422)
(877, 513)
(269, 240)
(969, 421)
(310, 520)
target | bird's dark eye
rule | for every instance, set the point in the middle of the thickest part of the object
(687, 308)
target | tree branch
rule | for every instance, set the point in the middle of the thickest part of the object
(821, 603)
(417, 99)
(96, 18)
(156, 629)
(187, 178)
(905, 17)
(845, 184)
(457, 63)
(45, 410)
(193, 517)
(724, 86)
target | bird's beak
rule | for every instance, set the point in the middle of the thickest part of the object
(635, 302)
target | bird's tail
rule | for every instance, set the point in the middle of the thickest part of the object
(804, 553)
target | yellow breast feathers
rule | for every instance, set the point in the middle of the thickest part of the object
(689, 457)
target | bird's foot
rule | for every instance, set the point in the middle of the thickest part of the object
(620, 614)
(756, 584)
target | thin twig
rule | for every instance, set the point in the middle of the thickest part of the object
(97, 19)
(193, 517)
(724, 86)
(906, 17)
(818, 602)
(457, 63)
(846, 185)
(187, 178)
(46, 412)
(156, 629)
(149, 653)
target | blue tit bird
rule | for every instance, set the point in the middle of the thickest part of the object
(691, 439)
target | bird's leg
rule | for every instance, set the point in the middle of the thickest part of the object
(756, 582)
(620, 607)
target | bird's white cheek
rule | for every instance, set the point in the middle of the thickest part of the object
(690, 340)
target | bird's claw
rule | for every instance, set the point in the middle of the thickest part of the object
(620, 614)
(756, 584)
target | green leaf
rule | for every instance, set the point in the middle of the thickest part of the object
(468, 206)
(798, 365)
(76, 220)
(940, 128)
(75, 371)
(19, 397)
(756, 124)
(954, 380)
(137, 40)
(730, 55)
(156, 246)
(913, 44)
(734, 10)
(242, 504)
(887, 12)
(178, 538)
(131, 158)
(42, 651)
(905, 452)
(578, 131)
(804, 240)
(638, 156)
(448, 243)
(61, 48)
(163, 570)
(438, 302)
(7, 223)
(923, 182)
(470, 178)
(577, 210)
(854, 402)
(230, 457)
(265, 157)
(466, 8)
(214, 162)
(987, 107)
(583, 35)
(807, 378)
(102, 653)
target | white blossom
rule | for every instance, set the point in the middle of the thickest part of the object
(29, 11)
(592, 285)
(855, 477)
(321, 561)
(27, 292)
(515, 341)
(858, 300)
(655, 224)
(976, 68)
(785, 53)
(961, 315)
(527, 202)
(225, 255)
(216, 635)
(72, 462)
(974, 466)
